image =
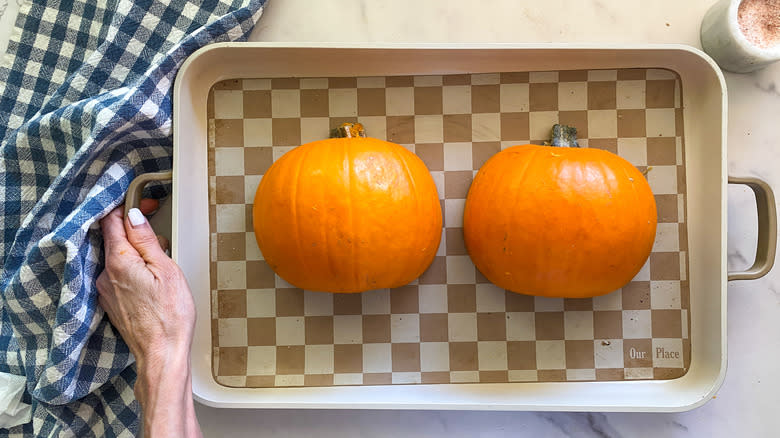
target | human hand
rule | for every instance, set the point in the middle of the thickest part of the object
(149, 302)
(143, 291)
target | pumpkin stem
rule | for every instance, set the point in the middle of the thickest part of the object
(564, 136)
(348, 130)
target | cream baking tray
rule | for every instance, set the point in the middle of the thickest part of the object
(704, 108)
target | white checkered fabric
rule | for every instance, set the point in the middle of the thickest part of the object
(85, 106)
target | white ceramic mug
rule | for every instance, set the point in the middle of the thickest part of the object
(723, 40)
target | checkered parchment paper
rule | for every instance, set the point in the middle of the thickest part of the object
(451, 325)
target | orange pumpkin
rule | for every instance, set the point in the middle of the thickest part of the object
(559, 221)
(348, 215)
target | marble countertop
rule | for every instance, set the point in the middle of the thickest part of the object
(747, 402)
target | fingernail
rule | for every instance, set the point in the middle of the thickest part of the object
(136, 217)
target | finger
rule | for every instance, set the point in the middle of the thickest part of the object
(141, 235)
(115, 237)
(148, 206)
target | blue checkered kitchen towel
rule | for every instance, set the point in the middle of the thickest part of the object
(85, 106)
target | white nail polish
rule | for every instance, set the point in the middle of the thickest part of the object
(136, 217)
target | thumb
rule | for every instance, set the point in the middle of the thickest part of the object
(142, 237)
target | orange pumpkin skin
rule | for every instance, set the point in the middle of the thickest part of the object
(348, 215)
(559, 222)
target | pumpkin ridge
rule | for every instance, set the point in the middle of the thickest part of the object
(296, 222)
(410, 180)
(326, 233)
(635, 196)
(521, 177)
(607, 170)
(350, 188)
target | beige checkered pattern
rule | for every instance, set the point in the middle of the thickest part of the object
(450, 325)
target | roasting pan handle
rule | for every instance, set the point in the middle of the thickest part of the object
(767, 229)
(137, 186)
